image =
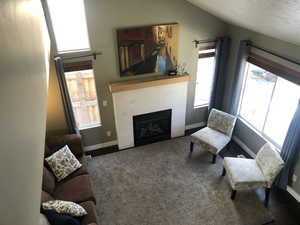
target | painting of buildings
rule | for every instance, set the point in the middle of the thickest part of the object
(148, 49)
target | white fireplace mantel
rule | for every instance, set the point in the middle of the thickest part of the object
(145, 96)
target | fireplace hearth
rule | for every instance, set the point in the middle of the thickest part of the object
(152, 127)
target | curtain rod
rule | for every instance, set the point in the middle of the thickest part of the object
(275, 54)
(197, 42)
(94, 54)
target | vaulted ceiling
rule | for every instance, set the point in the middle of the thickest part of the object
(276, 18)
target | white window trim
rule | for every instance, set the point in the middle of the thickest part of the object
(90, 126)
(71, 52)
(201, 106)
(247, 123)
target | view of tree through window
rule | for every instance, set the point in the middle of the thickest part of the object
(268, 103)
(82, 90)
(205, 75)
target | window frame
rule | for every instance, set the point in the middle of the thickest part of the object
(201, 56)
(81, 66)
(248, 123)
(51, 32)
(274, 68)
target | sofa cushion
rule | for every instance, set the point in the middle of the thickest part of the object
(48, 181)
(244, 174)
(72, 140)
(91, 217)
(54, 149)
(63, 163)
(46, 197)
(78, 189)
(81, 171)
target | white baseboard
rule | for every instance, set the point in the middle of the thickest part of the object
(244, 146)
(101, 145)
(195, 125)
(293, 193)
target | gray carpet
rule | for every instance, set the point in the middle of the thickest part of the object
(160, 184)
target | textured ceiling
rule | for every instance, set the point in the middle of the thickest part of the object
(276, 18)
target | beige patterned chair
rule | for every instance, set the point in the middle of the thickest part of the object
(248, 174)
(216, 135)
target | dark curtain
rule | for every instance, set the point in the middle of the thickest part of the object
(221, 56)
(70, 118)
(290, 150)
(241, 62)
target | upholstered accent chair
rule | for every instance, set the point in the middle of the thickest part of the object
(216, 135)
(248, 174)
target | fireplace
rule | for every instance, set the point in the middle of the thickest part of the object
(152, 127)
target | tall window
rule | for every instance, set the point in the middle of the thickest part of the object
(205, 76)
(68, 21)
(268, 103)
(82, 90)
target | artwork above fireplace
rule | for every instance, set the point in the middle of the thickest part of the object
(148, 49)
(152, 127)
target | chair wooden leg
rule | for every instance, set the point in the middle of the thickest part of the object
(191, 147)
(233, 194)
(224, 172)
(267, 197)
(214, 159)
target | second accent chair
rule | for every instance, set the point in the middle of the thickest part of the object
(248, 174)
(216, 135)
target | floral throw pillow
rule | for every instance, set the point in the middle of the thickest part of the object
(66, 207)
(63, 163)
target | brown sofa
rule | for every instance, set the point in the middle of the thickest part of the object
(77, 187)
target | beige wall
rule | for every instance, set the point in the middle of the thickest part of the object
(242, 131)
(23, 97)
(105, 16)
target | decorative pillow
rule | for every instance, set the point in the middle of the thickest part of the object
(55, 218)
(66, 207)
(63, 163)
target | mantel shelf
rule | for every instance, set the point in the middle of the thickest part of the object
(147, 82)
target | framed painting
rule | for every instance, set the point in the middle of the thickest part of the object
(148, 49)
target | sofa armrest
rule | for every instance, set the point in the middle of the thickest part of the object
(91, 218)
(72, 140)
